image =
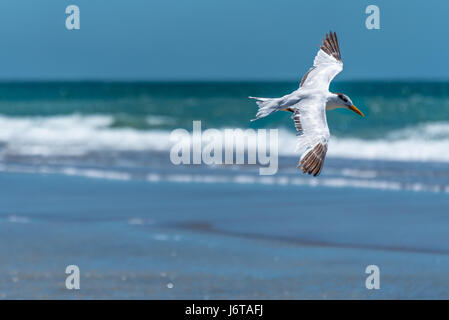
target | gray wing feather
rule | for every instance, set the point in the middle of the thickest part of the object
(309, 116)
(326, 66)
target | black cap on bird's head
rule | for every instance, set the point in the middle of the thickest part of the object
(346, 102)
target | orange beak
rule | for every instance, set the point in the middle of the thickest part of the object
(354, 108)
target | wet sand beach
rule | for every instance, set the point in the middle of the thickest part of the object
(152, 240)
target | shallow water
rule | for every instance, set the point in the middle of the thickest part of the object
(150, 240)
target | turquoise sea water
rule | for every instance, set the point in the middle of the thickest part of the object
(389, 106)
(122, 130)
(87, 180)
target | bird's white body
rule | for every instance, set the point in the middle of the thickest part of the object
(309, 104)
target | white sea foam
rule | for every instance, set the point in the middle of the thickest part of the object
(18, 219)
(69, 171)
(94, 173)
(424, 142)
(74, 135)
(348, 179)
(335, 182)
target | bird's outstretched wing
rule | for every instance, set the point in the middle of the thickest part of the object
(309, 116)
(326, 66)
(312, 162)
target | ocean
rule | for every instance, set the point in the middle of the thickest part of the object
(122, 129)
(87, 180)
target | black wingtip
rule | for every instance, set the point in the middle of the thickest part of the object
(330, 45)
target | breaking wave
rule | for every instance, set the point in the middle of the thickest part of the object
(75, 135)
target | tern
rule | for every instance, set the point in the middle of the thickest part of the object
(309, 103)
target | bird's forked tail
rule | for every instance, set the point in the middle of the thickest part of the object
(266, 106)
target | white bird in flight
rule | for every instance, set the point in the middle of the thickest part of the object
(309, 104)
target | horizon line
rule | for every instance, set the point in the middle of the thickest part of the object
(206, 80)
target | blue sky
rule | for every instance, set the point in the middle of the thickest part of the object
(219, 39)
